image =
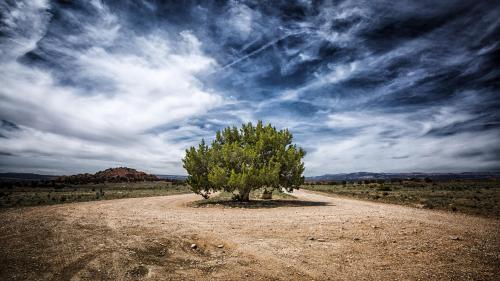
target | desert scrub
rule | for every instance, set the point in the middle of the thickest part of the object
(20, 197)
(471, 197)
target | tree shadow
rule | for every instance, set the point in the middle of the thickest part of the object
(258, 204)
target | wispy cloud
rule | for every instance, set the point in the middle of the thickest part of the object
(147, 82)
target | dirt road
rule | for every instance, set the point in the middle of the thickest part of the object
(317, 238)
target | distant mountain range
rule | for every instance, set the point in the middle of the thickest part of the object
(25, 177)
(386, 176)
(128, 174)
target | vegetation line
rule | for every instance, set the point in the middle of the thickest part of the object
(465, 196)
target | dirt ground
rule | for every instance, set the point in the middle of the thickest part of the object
(315, 238)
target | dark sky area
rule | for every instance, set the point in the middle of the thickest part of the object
(381, 86)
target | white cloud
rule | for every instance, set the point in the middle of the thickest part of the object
(367, 152)
(149, 81)
(399, 142)
(240, 19)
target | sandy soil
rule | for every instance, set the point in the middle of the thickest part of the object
(316, 238)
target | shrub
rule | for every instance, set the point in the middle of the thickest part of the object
(384, 188)
(239, 161)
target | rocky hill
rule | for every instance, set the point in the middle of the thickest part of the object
(120, 174)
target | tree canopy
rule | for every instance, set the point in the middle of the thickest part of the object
(241, 160)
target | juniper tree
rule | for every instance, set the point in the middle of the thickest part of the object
(196, 164)
(241, 160)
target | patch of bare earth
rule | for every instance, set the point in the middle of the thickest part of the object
(330, 239)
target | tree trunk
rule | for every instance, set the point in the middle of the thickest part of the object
(244, 196)
(266, 194)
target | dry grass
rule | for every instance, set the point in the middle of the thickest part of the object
(470, 197)
(34, 196)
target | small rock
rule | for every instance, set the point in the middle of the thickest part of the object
(355, 239)
(321, 240)
(375, 226)
(220, 246)
(310, 238)
(454, 238)
(194, 246)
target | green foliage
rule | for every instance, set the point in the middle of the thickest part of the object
(241, 160)
(197, 167)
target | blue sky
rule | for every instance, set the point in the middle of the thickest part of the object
(382, 86)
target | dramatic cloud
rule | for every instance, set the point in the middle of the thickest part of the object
(363, 85)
